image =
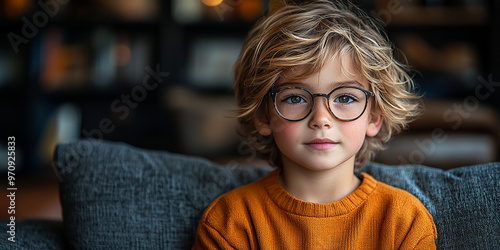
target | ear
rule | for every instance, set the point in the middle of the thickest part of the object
(375, 123)
(262, 125)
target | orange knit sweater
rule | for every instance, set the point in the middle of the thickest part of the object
(262, 215)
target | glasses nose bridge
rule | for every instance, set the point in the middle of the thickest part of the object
(327, 96)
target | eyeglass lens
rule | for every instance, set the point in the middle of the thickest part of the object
(346, 103)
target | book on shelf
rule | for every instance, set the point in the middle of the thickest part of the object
(101, 58)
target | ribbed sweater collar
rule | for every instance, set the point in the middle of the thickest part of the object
(296, 206)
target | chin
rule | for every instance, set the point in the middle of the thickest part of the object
(320, 163)
(329, 164)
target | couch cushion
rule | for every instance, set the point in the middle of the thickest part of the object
(115, 195)
(33, 234)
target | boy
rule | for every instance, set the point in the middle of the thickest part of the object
(319, 82)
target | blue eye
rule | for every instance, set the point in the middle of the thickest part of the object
(345, 99)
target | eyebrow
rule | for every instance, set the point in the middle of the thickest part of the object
(349, 83)
(334, 84)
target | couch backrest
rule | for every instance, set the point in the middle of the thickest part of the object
(116, 195)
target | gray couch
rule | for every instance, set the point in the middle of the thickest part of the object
(115, 196)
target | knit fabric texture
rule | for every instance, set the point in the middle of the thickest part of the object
(117, 196)
(262, 215)
(120, 197)
(33, 234)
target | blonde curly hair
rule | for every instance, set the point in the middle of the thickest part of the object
(308, 34)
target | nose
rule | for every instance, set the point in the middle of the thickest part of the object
(320, 116)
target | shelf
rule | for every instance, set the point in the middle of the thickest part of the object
(437, 16)
(217, 25)
(82, 14)
(115, 24)
(95, 94)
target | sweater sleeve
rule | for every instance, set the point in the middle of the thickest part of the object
(422, 232)
(420, 236)
(226, 224)
(209, 238)
(428, 242)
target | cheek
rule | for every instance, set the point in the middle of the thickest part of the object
(354, 131)
(280, 126)
(284, 131)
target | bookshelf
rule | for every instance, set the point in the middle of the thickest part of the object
(453, 47)
(100, 69)
(107, 69)
(70, 67)
(451, 43)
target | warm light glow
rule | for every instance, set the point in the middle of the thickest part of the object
(212, 2)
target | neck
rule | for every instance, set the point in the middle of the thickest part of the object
(323, 187)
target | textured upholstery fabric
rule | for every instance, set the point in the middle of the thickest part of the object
(34, 234)
(114, 195)
(117, 196)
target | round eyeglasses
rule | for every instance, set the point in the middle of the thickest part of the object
(346, 103)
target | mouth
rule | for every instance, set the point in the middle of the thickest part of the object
(321, 144)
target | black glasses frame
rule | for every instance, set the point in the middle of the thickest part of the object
(274, 93)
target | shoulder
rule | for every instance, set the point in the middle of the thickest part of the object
(403, 208)
(229, 221)
(394, 196)
(235, 204)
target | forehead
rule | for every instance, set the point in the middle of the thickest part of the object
(336, 70)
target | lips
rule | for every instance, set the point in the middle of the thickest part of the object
(321, 144)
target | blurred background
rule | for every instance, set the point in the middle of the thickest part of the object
(158, 75)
